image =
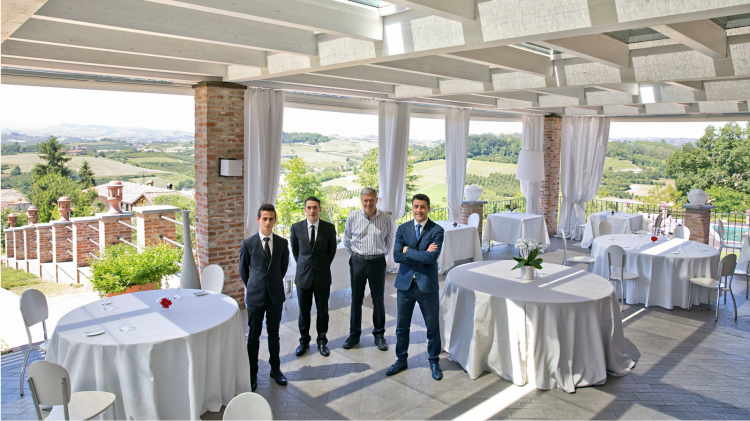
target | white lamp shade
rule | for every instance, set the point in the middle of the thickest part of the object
(530, 166)
(231, 167)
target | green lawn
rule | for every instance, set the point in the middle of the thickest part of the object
(438, 194)
(618, 164)
(17, 281)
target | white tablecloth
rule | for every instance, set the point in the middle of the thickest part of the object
(664, 274)
(622, 223)
(339, 269)
(176, 364)
(563, 329)
(744, 254)
(508, 227)
(460, 242)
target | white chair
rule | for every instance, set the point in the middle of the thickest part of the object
(605, 228)
(588, 260)
(581, 214)
(248, 406)
(617, 259)
(33, 310)
(720, 230)
(746, 273)
(655, 230)
(212, 278)
(473, 220)
(682, 232)
(49, 384)
(726, 269)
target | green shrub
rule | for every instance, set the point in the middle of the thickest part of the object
(121, 266)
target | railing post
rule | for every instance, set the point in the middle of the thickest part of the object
(110, 230)
(82, 231)
(467, 208)
(60, 243)
(29, 241)
(150, 225)
(44, 247)
(698, 221)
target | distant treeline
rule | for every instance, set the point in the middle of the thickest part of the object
(482, 147)
(496, 185)
(642, 153)
(16, 148)
(297, 137)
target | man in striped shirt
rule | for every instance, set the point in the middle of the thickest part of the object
(367, 237)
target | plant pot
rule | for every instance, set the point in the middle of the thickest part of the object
(134, 288)
(527, 273)
(472, 193)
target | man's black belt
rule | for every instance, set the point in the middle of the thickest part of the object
(371, 257)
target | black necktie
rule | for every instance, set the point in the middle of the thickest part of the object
(267, 250)
(312, 237)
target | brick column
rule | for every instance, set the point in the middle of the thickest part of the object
(467, 208)
(29, 241)
(549, 189)
(44, 243)
(151, 226)
(219, 210)
(62, 241)
(18, 245)
(10, 239)
(110, 230)
(698, 221)
(82, 232)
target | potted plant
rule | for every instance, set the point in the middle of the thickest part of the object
(121, 269)
(528, 260)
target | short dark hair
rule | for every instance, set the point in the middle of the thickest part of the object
(421, 196)
(314, 199)
(267, 207)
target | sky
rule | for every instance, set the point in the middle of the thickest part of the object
(26, 107)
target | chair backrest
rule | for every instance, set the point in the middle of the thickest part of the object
(720, 228)
(473, 220)
(248, 406)
(617, 257)
(565, 245)
(727, 265)
(657, 224)
(33, 307)
(212, 278)
(47, 378)
(605, 228)
(682, 232)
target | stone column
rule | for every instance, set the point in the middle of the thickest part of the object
(18, 245)
(549, 190)
(10, 239)
(29, 241)
(467, 208)
(219, 210)
(44, 250)
(698, 221)
(82, 233)
(62, 241)
(150, 225)
(110, 229)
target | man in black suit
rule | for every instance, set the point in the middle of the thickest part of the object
(264, 258)
(313, 247)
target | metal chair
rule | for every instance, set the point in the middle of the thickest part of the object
(617, 260)
(588, 260)
(33, 310)
(726, 269)
(473, 220)
(581, 214)
(681, 232)
(655, 230)
(723, 245)
(212, 278)
(49, 384)
(248, 406)
(746, 273)
(604, 228)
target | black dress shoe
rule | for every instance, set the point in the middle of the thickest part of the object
(323, 349)
(301, 349)
(253, 384)
(351, 341)
(396, 368)
(381, 343)
(279, 377)
(437, 373)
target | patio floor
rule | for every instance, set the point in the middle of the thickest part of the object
(688, 367)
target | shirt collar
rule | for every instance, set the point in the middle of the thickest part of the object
(260, 234)
(421, 223)
(316, 224)
(377, 212)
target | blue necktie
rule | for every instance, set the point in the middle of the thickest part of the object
(417, 230)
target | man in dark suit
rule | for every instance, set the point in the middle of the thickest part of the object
(417, 248)
(264, 258)
(313, 247)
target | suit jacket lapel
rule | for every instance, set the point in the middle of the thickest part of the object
(423, 231)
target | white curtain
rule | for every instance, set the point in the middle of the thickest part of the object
(393, 152)
(264, 115)
(533, 131)
(456, 150)
(584, 147)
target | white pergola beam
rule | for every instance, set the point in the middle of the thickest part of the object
(444, 67)
(336, 18)
(703, 35)
(511, 59)
(598, 48)
(337, 83)
(380, 74)
(15, 13)
(458, 10)
(175, 22)
(67, 34)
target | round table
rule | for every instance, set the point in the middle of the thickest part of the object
(460, 242)
(562, 329)
(664, 272)
(176, 363)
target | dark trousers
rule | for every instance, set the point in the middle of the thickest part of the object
(429, 303)
(361, 271)
(255, 322)
(305, 298)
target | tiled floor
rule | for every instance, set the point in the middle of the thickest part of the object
(688, 367)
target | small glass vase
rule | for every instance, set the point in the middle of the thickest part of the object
(527, 273)
(164, 303)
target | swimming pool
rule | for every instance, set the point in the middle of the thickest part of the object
(734, 234)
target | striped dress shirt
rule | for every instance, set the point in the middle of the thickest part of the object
(368, 237)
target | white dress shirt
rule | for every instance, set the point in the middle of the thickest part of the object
(263, 243)
(309, 229)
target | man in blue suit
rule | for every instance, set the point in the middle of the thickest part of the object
(417, 248)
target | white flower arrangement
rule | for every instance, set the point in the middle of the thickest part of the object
(526, 246)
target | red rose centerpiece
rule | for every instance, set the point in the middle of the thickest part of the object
(163, 303)
(654, 239)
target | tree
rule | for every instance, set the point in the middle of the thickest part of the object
(53, 152)
(301, 183)
(86, 176)
(367, 174)
(47, 189)
(663, 194)
(16, 170)
(728, 200)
